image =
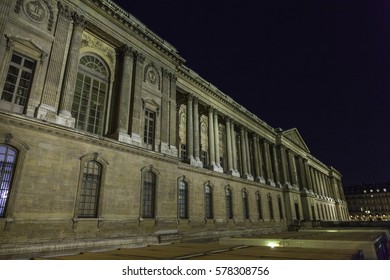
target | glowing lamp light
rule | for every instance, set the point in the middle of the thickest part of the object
(273, 244)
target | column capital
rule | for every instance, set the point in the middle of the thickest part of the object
(64, 10)
(126, 51)
(173, 77)
(79, 20)
(165, 72)
(139, 56)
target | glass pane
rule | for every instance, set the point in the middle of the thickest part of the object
(16, 59)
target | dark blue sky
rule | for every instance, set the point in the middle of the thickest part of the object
(322, 66)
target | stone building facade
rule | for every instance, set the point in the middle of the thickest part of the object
(107, 139)
(368, 202)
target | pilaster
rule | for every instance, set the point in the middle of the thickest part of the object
(48, 108)
(64, 116)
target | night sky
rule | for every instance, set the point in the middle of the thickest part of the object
(322, 66)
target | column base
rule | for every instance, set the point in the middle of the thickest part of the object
(46, 113)
(122, 137)
(64, 118)
(168, 149)
(217, 168)
(271, 182)
(234, 173)
(199, 163)
(248, 177)
(135, 139)
(260, 180)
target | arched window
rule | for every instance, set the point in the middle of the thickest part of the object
(183, 200)
(270, 207)
(245, 205)
(208, 194)
(7, 168)
(89, 99)
(229, 203)
(259, 206)
(90, 190)
(148, 195)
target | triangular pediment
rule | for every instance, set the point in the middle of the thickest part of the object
(293, 135)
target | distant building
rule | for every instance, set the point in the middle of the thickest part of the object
(368, 201)
(107, 140)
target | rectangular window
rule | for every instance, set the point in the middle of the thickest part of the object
(17, 84)
(280, 208)
(149, 126)
(89, 195)
(148, 199)
(203, 158)
(208, 202)
(183, 200)
(183, 151)
(259, 207)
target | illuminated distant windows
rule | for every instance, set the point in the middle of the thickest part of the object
(7, 167)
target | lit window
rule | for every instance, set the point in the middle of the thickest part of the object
(7, 168)
(17, 83)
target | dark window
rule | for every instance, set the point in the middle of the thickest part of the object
(203, 157)
(183, 151)
(208, 202)
(259, 206)
(17, 83)
(296, 205)
(245, 204)
(270, 208)
(229, 203)
(90, 95)
(149, 128)
(280, 208)
(148, 195)
(90, 187)
(7, 169)
(183, 200)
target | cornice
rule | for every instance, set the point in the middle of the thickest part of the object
(139, 29)
(25, 122)
(188, 75)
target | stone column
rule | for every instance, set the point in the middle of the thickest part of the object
(229, 148)
(172, 116)
(275, 165)
(190, 131)
(136, 100)
(234, 150)
(244, 160)
(257, 162)
(122, 129)
(165, 112)
(216, 141)
(267, 158)
(302, 173)
(48, 108)
(196, 133)
(5, 8)
(293, 168)
(283, 162)
(71, 71)
(211, 139)
(248, 157)
(307, 175)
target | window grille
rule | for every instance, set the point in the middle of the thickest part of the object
(183, 200)
(90, 188)
(229, 203)
(245, 204)
(148, 195)
(7, 169)
(209, 202)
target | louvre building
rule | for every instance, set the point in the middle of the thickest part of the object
(107, 139)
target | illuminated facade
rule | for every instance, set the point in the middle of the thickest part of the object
(368, 202)
(107, 139)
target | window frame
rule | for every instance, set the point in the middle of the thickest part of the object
(182, 199)
(8, 179)
(229, 203)
(209, 204)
